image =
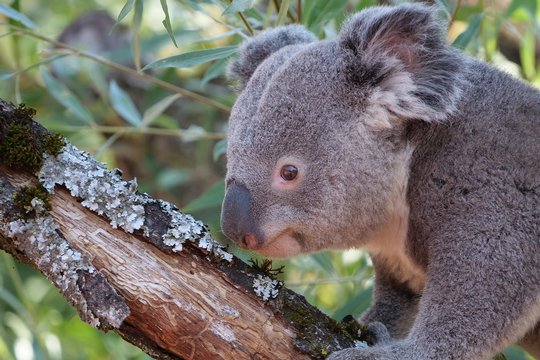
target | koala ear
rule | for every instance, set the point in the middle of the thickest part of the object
(401, 52)
(255, 50)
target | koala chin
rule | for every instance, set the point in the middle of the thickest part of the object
(388, 139)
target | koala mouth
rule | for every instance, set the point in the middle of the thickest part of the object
(286, 244)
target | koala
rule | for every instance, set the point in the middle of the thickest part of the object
(388, 139)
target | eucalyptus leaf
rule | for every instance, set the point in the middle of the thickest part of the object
(210, 199)
(167, 21)
(219, 149)
(282, 14)
(65, 97)
(355, 305)
(192, 58)
(123, 104)
(215, 70)
(126, 9)
(465, 37)
(17, 16)
(238, 6)
(158, 108)
(136, 30)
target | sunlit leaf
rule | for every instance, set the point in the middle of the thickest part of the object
(125, 10)
(465, 37)
(17, 16)
(167, 21)
(529, 6)
(65, 97)
(123, 104)
(528, 54)
(158, 108)
(193, 58)
(238, 6)
(355, 305)
(324, 261)
(282, 14)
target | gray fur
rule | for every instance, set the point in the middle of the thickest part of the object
(256, 50)
(427, 158)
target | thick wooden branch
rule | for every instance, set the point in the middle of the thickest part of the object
(158, 279)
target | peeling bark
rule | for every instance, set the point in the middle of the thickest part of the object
(137, 265)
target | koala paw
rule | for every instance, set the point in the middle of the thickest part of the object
(392, 351)
(378, 334)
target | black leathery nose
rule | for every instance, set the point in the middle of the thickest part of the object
(236, 218)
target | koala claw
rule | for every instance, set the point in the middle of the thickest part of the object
(379, 333)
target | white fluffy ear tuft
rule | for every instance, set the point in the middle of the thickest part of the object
(402, 54)
(254, 51)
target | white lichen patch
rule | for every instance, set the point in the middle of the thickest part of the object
(106, 193)
(184, 228)
(360, 344)
(38, 239)
(103, 191)
(266, 288)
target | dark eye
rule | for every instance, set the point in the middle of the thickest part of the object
(289, 172)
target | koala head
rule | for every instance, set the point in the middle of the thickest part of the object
(317, 148)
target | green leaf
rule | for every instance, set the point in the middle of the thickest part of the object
(192, 58)
(443, 4)
(125, 10)
(65, 97)
(238, 6)
(212, 198)
(219, 149)
(324, 261)
(465, 37)
(123, 104)
(529, 6)
(528, 55)
(214, 71)
(17, 16)
(356, 305)
(167, 21)
(171, 178)
(158, 108)
(282, 14)
(136, 30)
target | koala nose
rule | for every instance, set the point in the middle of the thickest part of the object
(237, 221)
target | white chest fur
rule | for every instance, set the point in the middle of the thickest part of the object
(389, 246)
(389, 243)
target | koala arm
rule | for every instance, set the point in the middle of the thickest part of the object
(394, 304)
(480, 296)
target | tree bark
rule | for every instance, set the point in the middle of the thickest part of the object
(136, 265)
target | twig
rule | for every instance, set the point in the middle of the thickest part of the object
(127, 70)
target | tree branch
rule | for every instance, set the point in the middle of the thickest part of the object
(137, 265)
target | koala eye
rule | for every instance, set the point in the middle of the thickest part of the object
(289, 172)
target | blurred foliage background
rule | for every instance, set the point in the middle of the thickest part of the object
(140, 85)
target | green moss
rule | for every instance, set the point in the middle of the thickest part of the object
(320, 349)
(21, 145)
(352, 328)
(53, 144)
(23, 199)
(24, 114)
(20, 149)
